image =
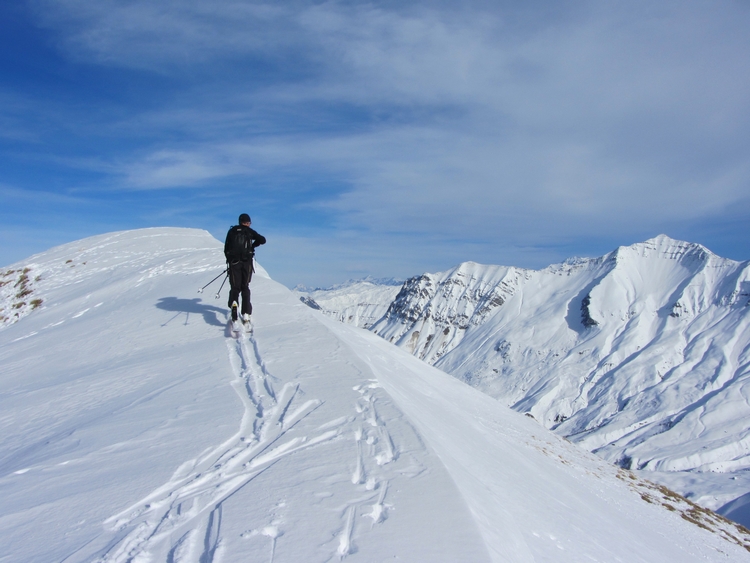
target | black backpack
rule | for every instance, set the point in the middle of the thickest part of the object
(240, 244)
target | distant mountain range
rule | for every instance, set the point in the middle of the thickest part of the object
(641, 355)
(357, 302)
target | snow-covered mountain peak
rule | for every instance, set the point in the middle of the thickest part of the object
(665, 247)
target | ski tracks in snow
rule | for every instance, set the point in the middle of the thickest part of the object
(180, 522)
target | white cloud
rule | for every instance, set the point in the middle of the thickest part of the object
(171, 168)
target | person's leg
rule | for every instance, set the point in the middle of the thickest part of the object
(247, 274)
(235, 283)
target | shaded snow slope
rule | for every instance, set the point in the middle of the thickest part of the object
(642, 355)
(133, 427)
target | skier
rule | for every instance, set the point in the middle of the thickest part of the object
(239, 249)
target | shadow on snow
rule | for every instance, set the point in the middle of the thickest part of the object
(211, 315)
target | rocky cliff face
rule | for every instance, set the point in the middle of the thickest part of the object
(432, 312)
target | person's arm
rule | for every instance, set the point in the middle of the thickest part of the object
(226, 245)
(258, 239)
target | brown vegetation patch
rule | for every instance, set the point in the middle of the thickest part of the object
(687, 509)
(23, 293)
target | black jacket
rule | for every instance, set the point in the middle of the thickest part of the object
(241, 243)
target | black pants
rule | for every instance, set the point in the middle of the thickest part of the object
(240, 274)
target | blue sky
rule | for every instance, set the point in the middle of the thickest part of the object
(382, 138)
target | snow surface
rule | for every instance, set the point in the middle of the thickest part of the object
(642, 355)
(134, 427)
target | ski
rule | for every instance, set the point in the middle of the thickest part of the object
(235, 328)
(247, 323)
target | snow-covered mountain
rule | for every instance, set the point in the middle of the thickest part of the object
(134, 428)
(357, 302)
(641, 355)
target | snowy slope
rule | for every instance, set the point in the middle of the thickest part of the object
(642, 355)
(134, 428)
(360, 303)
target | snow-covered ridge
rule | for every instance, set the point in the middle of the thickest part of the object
(150, 252)
(134, 427)
(641, 355)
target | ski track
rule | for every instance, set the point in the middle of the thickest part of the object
(189, 506)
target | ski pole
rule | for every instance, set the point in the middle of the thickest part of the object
(212, 281)
(222, 285)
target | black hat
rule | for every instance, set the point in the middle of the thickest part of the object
(244, 218)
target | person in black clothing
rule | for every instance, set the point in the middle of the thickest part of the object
(239, 249)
